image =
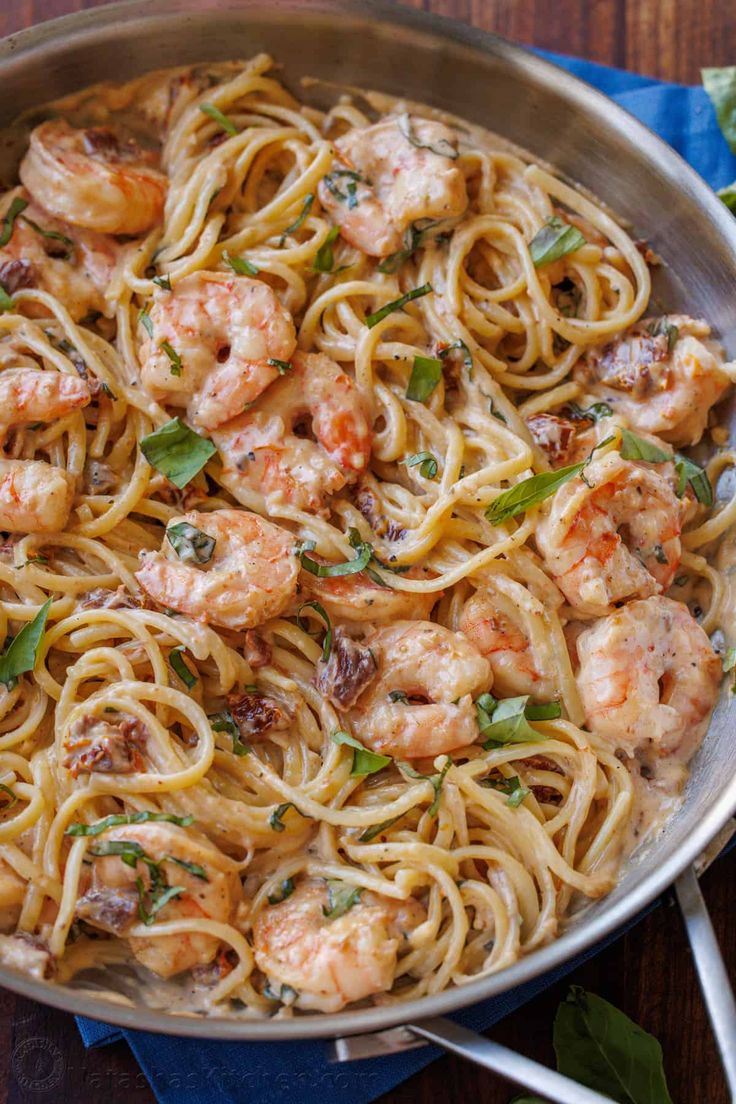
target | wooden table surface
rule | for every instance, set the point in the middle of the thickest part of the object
(648, 973)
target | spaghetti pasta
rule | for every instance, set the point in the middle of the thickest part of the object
(322, 481)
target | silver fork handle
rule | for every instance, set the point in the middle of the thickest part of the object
(712, 976)
(714, 984)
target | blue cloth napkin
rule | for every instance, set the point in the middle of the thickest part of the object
(190, 1071)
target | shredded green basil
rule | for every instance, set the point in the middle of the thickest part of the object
(179, 666)
(112, 821)
(426, 373)
(283, 366)
(240, 265)
(174, 358)
(8, 224)
(164, 282)
(349, 196)
(319, 609)
(435, 779)
(324, 260)
(690, 472)
(413, 238)
(306, 208)
(397, 304)
(340, 898)
(52, 235)
(222, 120)
(285, 890)
(426, 463)
(225, 722)
(145, 320)
(665, 328)
(330, 571)
(467, 356)
(11, 794)
(376, 829)
(592, 413)
(275, 820)
(512, 787)
(442, 147)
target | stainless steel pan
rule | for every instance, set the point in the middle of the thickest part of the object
(587, 137)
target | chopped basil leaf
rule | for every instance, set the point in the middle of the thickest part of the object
(283, 366)
(593, 413)
(240, 265)
(426, 373)
(318, 608)
(177, 662)
(306, 208)
(442, 148)
(145, 320)
(52, 235)
(157, 901)
(728, 196)
(376, 829)
(177, 451)
(397, 304)
(348, 197)
(23, 649)
(194, 869)
(325, 258)
(329, 571)
(285, 890)
(173, 356)
(535, 489)
(126, 818)
(636, 448)
(128, 851)
(340, 898)
(426, 461)
(364, 761)
(512, 787)
(398, 696)
(190, 544)
(11, 794)
(222, 120)
(275, 820)
(663, 326)
(556, 239)
(224, 722)
(6, 302)
(729, 660)
(164, 282)
(720, 84)
(412, 240)
(8, 222)
(690, 472)
(435, 779)
(467, 356)
(508, 724)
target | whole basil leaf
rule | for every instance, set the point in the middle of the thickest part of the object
(600, 1047)
(720, 84)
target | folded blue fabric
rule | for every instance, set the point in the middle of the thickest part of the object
(189, 1071)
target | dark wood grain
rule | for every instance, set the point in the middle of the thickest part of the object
(648, 973)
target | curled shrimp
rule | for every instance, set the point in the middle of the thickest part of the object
(35, 497)
(171, 857)
(390, 176)
(356, 598)
(611, 534)
(74, 265)
(262, 453)
(30, 395)
(249, 577)
(228, 332)
(489, 623)
(92, 178)
(331, 963)
(648, 680)
(660, 375)
(420, 702)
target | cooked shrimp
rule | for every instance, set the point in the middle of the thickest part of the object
(227, 332)
(331, 963)
(92, 178)
(660, 375)
(74, 265)
(612, 534)
(35, 497)
(384, 182)
(262, 453)
(250, 576)
(503, 641)
(27, 395)
(649, 679)
(112, 900)
(433, 673)
(357, 598)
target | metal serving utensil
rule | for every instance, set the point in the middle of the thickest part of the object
(479, 77)
(456, 1039)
